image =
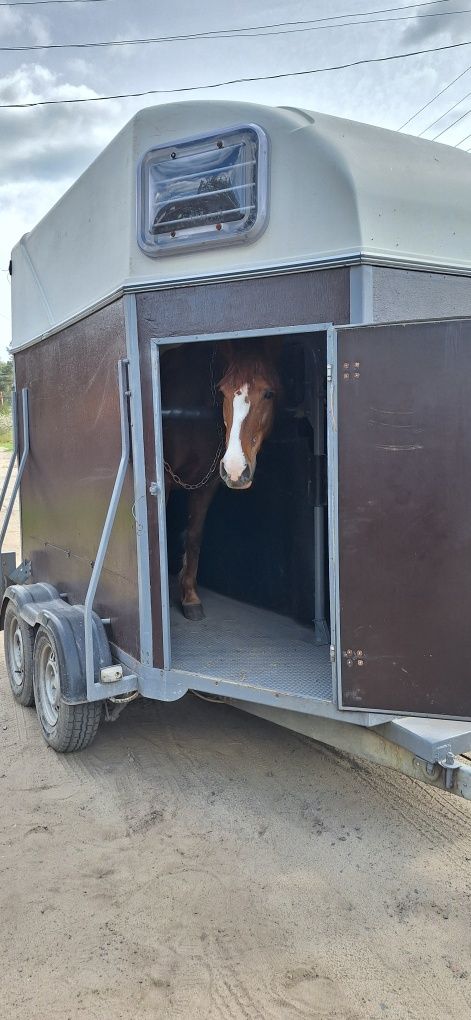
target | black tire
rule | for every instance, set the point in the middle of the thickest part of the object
(18, 640)
(65, 727)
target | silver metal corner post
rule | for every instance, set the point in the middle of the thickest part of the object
(316, 380)
(158, 490)
(139, 476)
(332, 487)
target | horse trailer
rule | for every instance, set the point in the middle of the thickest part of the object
(336, 587)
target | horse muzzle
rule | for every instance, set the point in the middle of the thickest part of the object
(244, 481)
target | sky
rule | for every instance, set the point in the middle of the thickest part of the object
(44, 149)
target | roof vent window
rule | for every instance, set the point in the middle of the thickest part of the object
(206, 191)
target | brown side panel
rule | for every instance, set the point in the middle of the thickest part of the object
(70, 473)
(294, 299)
(290, 300)
(404, 432)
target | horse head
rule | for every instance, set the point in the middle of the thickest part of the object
(249, 387)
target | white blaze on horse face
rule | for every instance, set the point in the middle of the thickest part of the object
(234, 460)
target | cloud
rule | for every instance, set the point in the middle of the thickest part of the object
(53, 142)
(43, 151)
(452, 27)
(10, 20)
(21, 206)
(32, 82)
(23, 25)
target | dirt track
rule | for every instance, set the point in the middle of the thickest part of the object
(196, 862)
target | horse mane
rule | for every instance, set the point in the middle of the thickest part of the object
(248, 362)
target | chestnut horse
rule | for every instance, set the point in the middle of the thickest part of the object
(213, 428)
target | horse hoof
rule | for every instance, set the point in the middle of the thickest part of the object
(193, 610)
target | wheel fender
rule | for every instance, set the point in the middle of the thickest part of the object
(22, 594)
(69, 661)
(40, 605)
(66, 624)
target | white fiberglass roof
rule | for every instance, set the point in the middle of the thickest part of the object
(339, 191)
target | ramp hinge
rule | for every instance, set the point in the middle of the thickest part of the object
(329, 373)
(332, 653)
(449, 765)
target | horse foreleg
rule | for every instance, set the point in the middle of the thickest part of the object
(198, 506)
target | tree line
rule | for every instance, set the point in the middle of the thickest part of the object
(6, 383)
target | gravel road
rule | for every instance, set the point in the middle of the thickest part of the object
(199, 863)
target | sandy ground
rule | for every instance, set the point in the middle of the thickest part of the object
(196, 862)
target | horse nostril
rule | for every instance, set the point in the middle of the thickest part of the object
(237, 481)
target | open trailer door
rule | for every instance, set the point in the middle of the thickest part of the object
(400, 441)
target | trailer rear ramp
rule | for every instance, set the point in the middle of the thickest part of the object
(433, 751)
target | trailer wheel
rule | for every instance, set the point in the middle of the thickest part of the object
(18, 640)
(65, 727)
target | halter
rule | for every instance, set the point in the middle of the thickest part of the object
(189, 486)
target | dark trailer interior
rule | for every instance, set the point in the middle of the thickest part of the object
(263, 570)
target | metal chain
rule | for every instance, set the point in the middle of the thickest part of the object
(199, 485)
(196, 485)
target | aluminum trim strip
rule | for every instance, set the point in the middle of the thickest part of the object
(188, 338)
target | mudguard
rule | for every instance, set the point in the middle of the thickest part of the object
(40, 605)
(20, 594)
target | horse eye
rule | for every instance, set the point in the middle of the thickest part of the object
(268, 395)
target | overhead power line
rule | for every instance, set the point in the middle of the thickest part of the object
(249, 32)
(456, 121)
(237, 81)
(333, 17)
(46, 3)
(465, 139)
(432, 100)
(437, 120)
